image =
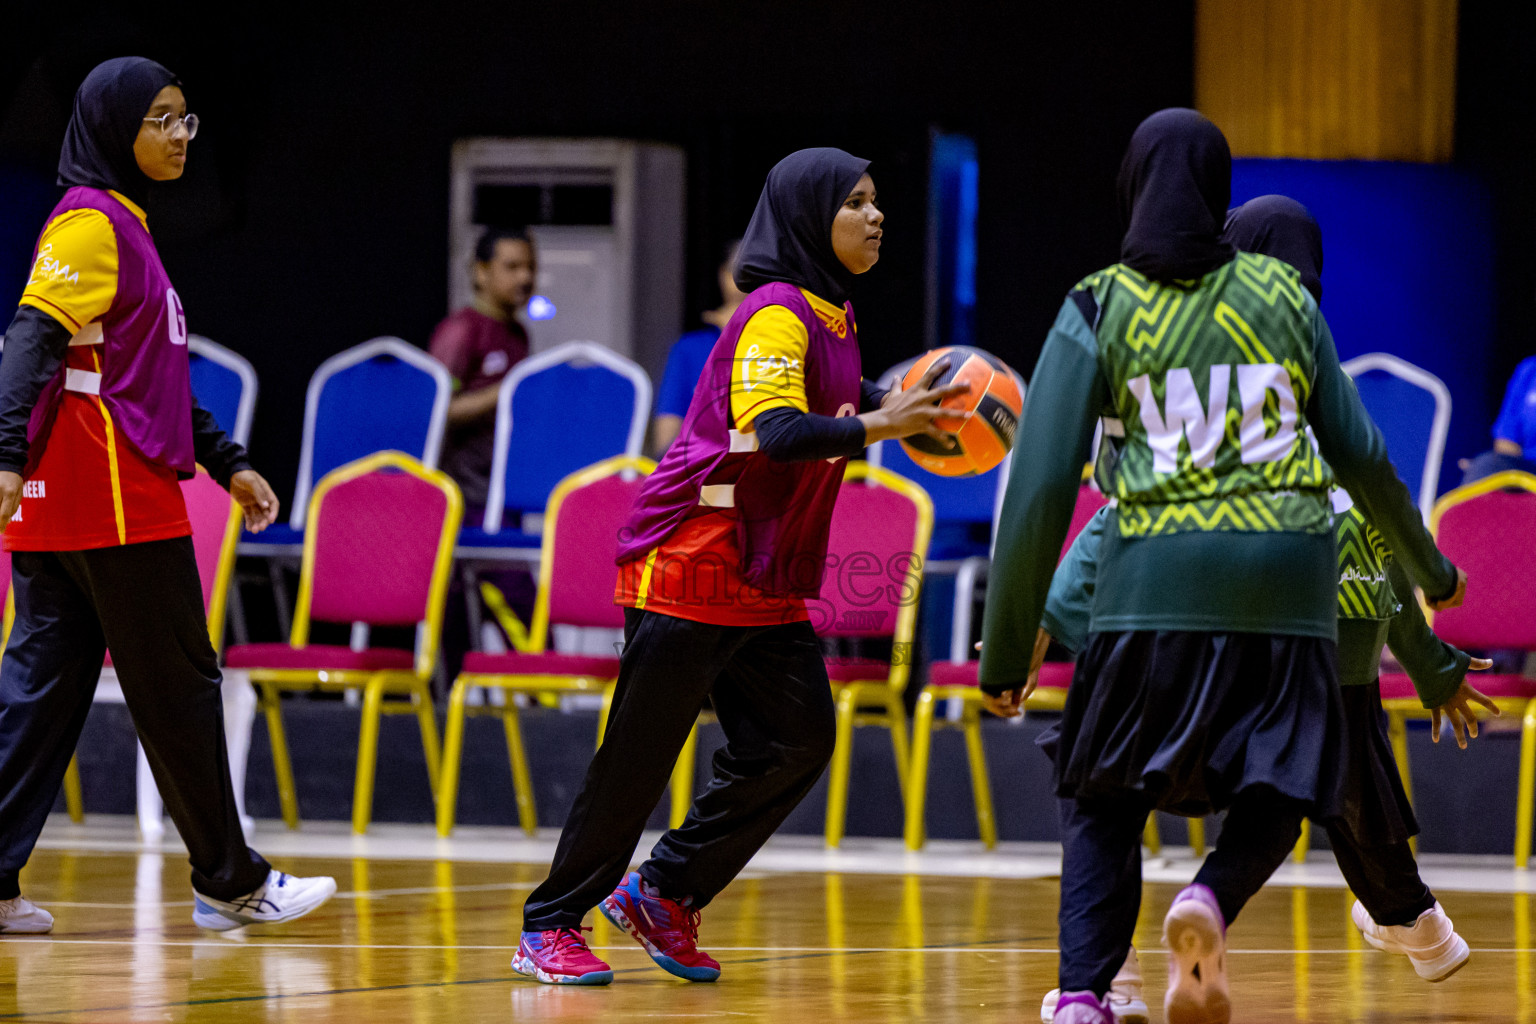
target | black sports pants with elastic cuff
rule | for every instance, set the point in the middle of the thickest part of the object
(145, 603)
(1100, 888)
(1385, 879)
(1260, 830)
(1101, 873)
(770, 692)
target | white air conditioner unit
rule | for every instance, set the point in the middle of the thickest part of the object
(607, 219)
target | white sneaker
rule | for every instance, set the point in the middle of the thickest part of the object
(1430, 943)
(1126, 1001)
(281, 898)
(21, 916)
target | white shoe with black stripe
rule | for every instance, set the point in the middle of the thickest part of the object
(282, 897)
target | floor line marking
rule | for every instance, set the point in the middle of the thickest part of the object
(264, 997)
(432, 890)
(360, 894)
(979, 947)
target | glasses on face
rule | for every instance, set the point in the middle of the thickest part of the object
(168, 123)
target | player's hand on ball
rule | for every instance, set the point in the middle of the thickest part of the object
(257, 502)
(1459, 709)
(913, 410)
(10, 497)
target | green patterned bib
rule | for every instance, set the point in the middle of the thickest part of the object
(1364, 589)
(1214, 418)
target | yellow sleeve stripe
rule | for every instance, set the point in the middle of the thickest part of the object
(74, 277)
(768, 371)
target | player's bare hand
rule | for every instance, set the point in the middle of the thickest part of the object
(10, 497)
(1457, 595)
(904, 413)
(1008, 704)
(257, 502)
(1459, 709)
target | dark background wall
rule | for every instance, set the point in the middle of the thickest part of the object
(313, 213)
(1495, 119)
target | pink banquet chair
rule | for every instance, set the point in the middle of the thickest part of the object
(1487, 528)
(378, 551)
(876, 551)
(216, 523)
(582, 520)
(956, 680)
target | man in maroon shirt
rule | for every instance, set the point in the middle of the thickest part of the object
(479, 344)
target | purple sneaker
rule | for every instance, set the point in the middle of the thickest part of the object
(668, 930)
(1196, 936)
(1082, 1008)
(560, 957)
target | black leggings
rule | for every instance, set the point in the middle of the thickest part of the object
(145, 602)
(770, 692)
(1101, 873)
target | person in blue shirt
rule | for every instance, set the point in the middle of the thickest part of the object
(685, 362)
(1514, 432)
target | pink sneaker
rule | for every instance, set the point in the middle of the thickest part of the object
(1082, 1008)
(560, 957)
(668, 930)
(1126, 1002)
(1196, 936)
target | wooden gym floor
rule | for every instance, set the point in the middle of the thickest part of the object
(413, 938)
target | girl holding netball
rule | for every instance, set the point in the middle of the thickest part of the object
(97, 423)
(1209, 676)
(725, 544)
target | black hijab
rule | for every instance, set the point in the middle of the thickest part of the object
(1174, 185)
(1281, 227)
(790, 236)
(110, 106)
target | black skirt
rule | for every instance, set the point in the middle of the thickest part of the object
(1187, 720)
(1375, 810)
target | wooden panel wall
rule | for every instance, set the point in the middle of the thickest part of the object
(1329, 79)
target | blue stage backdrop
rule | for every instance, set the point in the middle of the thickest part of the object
(1407, 269)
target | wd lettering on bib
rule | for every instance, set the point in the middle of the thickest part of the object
(1183, 417)
(1212, 385)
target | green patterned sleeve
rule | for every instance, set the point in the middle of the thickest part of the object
(1056, 428)
(1435, 667)
(1354, 447)
(1069, 604)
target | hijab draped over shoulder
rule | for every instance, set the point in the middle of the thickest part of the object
(110, 107)
(1174, 187)
(790, 236)
(1281, 227)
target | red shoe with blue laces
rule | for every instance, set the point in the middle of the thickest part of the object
(560, 956)
(668, 930)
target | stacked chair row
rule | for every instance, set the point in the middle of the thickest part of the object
(378, 549)
(343, 419)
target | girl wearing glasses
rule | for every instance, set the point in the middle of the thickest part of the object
(97, 425)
